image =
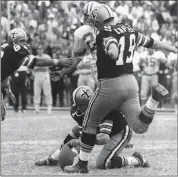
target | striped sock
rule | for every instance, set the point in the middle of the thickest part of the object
(86, 146)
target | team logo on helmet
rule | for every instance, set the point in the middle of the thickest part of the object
(14, 35)
(93, 14)
(85, 94)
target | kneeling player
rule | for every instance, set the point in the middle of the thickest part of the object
(113, 133)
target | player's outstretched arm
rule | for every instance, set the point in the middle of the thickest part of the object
(148, 42)
(41, 61)
(159, 45)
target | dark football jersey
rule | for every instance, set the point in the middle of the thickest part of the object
(112, 124)
(127, 39)
(12, 57)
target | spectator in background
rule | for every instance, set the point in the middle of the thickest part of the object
(41, 39)
(18, 86)
(42, 82)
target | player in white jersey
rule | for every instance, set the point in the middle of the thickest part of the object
(84, 47)
(85, 37)
(150, 62)
(173, 64)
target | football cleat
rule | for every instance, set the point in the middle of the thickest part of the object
(143, 163)
(77, 168)
(158, 91)
(48, 161)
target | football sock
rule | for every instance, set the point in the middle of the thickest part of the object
(86, 145)
(55, 154)
(131, 161)
(119, 162)
(152, 104)
(148, 111)
(68, 138)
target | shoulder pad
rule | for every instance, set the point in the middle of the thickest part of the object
(22, 50)
(82, 30)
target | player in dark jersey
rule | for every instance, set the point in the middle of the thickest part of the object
(117, 87)
(113, 132)
(15, 53)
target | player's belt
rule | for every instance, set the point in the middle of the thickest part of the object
(150, 74)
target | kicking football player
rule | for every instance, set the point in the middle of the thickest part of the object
(117, 87)
(113, 132)
(15, 53)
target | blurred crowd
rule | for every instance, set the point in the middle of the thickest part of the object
(52, 23)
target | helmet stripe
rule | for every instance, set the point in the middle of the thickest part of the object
(91, 7)
(108, 10)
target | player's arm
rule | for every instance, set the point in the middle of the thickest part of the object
(7, 88)
(105, 129)
(80, 49)
(149, 42)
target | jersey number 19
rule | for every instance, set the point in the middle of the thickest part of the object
(122, 46)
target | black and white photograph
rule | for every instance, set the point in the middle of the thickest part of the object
(89, 88)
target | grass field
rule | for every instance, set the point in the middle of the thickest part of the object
(28, 137)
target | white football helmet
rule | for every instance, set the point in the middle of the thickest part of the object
(88, 8)
(102, 13)
(82, 95)
(17, 36)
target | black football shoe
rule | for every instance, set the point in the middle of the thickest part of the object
(48, 161)
(158, 92)
(77, 168)
(143, 163)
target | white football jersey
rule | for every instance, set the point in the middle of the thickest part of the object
(84, 47)
(152, 62)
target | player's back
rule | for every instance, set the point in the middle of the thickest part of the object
(126, 38)
(12, 57)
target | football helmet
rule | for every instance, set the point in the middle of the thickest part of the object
(17, 36)
(81, 95)
(88, 8)
(100, 14)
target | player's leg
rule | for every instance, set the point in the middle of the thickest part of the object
(52, 159)
(108, 95)
(145, 85)
(81, 80)
(114, 147)
(137, 119)
(46, 84)
(37, 91)
(91, 82)
(3, 109)
(175, 88)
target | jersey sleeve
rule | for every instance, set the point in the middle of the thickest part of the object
(106, 127)
(143, 40)
(29, 61)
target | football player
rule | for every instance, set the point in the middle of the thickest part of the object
(15, 53)
(113, 132)
(150, 62)
(117, 87)
(173, 64)
(84, 45)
